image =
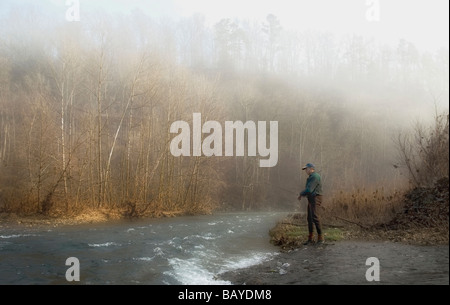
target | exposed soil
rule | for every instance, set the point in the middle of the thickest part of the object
(424, 219)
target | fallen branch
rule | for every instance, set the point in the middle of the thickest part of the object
(352, 222)
(304, 225)
(349, 221)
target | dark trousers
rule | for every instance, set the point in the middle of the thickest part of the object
(313, 219)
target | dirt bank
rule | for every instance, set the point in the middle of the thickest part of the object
(12, 220)
(97, 216)
(344, 263)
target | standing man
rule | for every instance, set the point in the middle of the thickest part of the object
(313, 191)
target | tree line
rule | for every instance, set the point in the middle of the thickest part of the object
(86, 110)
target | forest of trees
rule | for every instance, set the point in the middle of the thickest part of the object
(86, 109)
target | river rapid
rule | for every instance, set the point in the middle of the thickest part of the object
(185, 250)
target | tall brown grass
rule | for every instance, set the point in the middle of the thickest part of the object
(363, 206)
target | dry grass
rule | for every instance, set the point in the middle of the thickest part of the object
(26, 215)
(292, 232)
(38, 220)
(81, 216)
(363, 206)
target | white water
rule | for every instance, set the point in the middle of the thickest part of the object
(186, 250)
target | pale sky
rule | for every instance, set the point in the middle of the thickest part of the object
(423, 22)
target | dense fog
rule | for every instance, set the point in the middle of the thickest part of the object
(86, 108)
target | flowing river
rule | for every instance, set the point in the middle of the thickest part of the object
(185, 250)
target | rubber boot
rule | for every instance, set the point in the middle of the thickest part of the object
(320, 239)
(310, 240)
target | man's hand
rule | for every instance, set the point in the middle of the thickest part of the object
(299, 198)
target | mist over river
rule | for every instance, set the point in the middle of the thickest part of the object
(184, 250)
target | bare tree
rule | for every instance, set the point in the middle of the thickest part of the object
(425, 152)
